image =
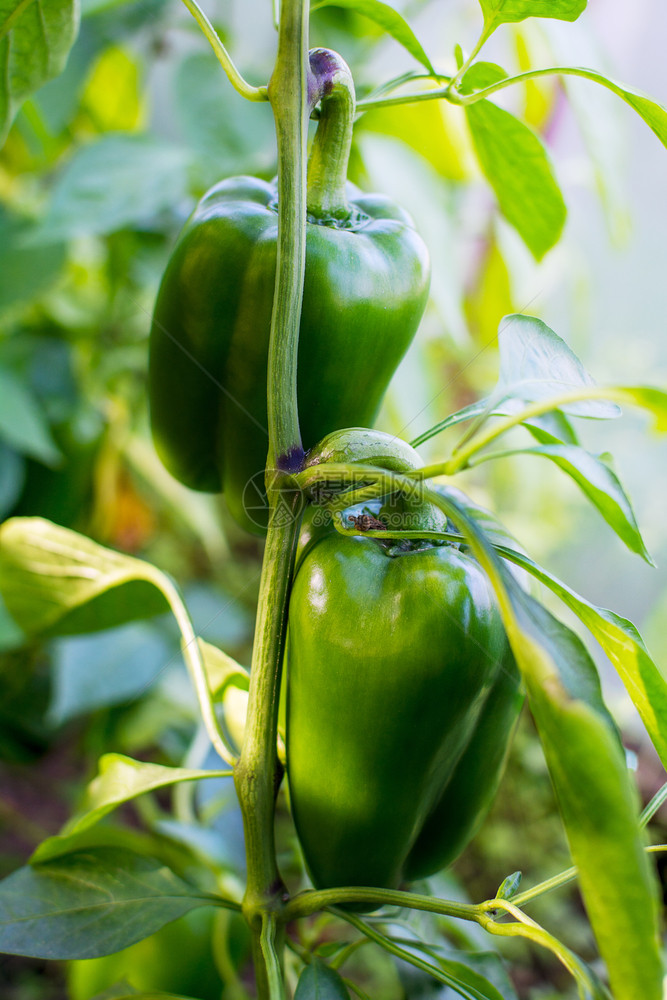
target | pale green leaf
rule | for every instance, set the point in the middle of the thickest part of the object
(56, 581)
(121, 779)
(387, 18)
(35, 39)
(510, 11)
(509, 886)
(516, 165)
(537, 364)
(599, 483)
(90, 903)
(117, 181)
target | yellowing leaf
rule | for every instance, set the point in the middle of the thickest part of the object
(112, 98)
(434, 129)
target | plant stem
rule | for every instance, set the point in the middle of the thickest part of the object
(288, 93)
(258, 773)
(327, 166)
(238, 83)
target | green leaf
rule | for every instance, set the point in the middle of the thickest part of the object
(124, 991)
(25, 273)
(120, 779)
(648, 398)
(22, 421)
(89, 904)
(35, 39)
(623, 644)
(599, 483)
(61, 583)
(389, 19)
(510, 11)
(12, 478)
(586, 762)
(319, 982)
(117, 181)
(516, 165)
(509, 886)
(106, 668)
(481, 75)
(536, 364)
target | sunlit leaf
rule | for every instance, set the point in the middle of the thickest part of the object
(112, 96)
(35, 39)
(88, 904)
(516, 165)
(623, 644)
(597, 800)
(600, 484)
(389, 19)
(510, 11)
(229, 683)
(57, 581)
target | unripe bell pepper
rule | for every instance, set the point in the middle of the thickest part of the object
(402, 695)
(366, 284)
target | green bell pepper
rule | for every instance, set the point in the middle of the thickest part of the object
(366, 284)
(402, 696)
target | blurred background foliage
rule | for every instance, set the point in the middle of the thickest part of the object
(100, 170)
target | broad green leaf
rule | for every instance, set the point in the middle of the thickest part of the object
(117, 181)
(389, 19)
(319, 982)
(25, 272)
(537, 364)
(35, 39)
(600, 484)
(586, 762)
(623, 644)
(480, 974)
(223, 138)
(58, 582)
(510, 11)
(61, 583)
(516, 165)
(91, 903)
(106, 668)
(22, 421)
(124, 991)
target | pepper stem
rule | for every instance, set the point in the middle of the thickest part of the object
(331, 84)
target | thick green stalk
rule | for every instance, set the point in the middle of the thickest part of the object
(330, 152)
(257, 774)
(288, 93)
